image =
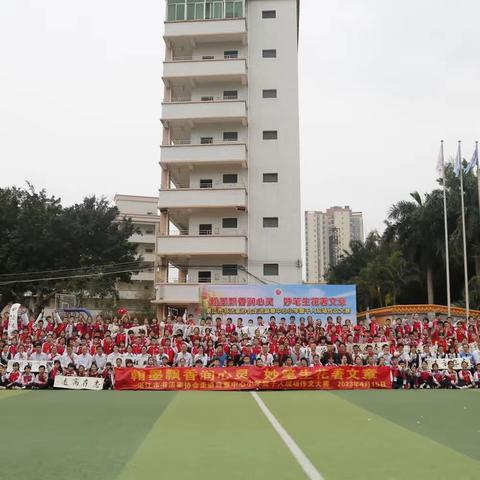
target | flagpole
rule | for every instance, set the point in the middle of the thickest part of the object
(465, 267)
(447, 256)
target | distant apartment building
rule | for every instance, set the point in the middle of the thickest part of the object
(327, 236)
(137, 295)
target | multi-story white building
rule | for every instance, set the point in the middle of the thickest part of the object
(327, 236)
(230, 184)
(137, 295)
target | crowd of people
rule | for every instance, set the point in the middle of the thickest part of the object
(421, 352)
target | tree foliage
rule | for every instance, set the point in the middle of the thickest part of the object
(39, 234)
(406, 264)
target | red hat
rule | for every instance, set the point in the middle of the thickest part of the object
(122, 311)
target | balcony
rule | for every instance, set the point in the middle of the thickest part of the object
(204, 70)
(179, 245)
(145, 238)
(177, 293)
(194, 198)
(206, 31)
(185, 111)
(208, 154)
(187, 293)
(144, 276)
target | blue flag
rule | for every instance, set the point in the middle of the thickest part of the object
(473, 162)
(457, 163)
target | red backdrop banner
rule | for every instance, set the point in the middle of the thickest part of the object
(253, 378)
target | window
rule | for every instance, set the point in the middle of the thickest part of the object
(230, 136)
(269, 93)
(176, 10)
(205, 229)
(149, 231)
(230, 54)
(206, 183)
(195, 10)
(269, 53)
(229, 222)
(270, 178)
(204, 277)
(270, 134)
(270, 269)
(206, 140)
(230, 270)
(206, 99)
(269, 14)
(230, 178)
(233, 9)
(270, 222)
(149, 250)
(213, 9)
(179, 10)
(207, 57)
(230, 95)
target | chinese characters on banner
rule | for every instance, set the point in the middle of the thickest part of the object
(78, 383)
(253, 378)
(250, 301)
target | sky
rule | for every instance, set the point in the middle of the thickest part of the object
(381, 83)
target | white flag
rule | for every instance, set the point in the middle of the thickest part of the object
(13, 318)
(440, 163)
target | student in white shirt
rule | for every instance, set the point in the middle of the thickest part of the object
(100, 359)
(187, 356)
(38, 355)
(84, 359)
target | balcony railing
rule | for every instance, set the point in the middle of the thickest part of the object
(213, 232)
(187, 141)
(204, 99)
(204, 58)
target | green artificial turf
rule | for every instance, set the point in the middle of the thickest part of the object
(216, 435)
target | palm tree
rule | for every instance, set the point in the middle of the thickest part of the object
(418, 227)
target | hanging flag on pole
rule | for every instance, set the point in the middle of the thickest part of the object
(474, 161)
(441, 171)
(457, 163)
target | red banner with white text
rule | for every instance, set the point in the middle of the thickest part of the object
(253, 378)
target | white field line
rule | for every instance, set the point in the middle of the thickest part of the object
(310, 471)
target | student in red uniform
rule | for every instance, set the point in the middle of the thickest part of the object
(476, 376)
(15, 377)
(28, 379)
(465, 377)
(3, 378)
(450, 379)
(41, 378)
(425, 378)
(437, 376)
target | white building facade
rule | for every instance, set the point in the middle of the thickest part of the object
(136, 296)
(328, 236)
(229, 200)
